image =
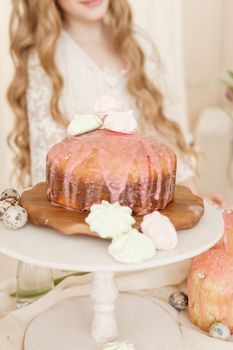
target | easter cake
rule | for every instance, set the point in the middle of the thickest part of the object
(133, 169)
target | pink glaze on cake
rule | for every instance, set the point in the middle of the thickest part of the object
(227, 240)
(228, 232)
(210, 289)
(118, 163)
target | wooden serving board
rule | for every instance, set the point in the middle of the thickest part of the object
(184, 212)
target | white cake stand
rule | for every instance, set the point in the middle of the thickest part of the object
(141, 322)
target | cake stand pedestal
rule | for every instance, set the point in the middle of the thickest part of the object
(68, 325)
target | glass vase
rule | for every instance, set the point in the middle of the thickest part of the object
(32, 283)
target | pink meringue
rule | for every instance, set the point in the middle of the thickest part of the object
(160, 229)
(120, 122)
(105, 105)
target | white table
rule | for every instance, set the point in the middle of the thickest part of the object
(140, 321)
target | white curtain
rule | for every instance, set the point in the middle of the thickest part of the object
(162, 19)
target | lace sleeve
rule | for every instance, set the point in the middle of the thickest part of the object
(43, 130)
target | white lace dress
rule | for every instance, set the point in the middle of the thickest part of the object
(84, 82)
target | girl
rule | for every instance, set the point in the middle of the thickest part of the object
(67, 53)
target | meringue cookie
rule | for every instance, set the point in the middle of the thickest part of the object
(84, 123)
(160, 229)
(109, 220)
(105, 105)
(120, 122)
(132, 247)
(118, 346)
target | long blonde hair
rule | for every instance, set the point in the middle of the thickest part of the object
(37, 24)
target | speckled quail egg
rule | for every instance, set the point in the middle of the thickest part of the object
(15, 217)
(12, 201)
(4, 205)
(179, 300)
(220, 331)
(10, 193)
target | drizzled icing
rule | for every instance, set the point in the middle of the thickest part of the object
(227, 240)
(135, 169)
(210, 287)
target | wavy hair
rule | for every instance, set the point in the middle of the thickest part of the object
(37, 24)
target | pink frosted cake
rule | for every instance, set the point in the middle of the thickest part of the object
(133, 169)
(210, 287)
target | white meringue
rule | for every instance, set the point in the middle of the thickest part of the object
(109, 220)
(132, 247)
(119, 346)
(160, 229)
(105, 105)
(120, 122)
(84, 123)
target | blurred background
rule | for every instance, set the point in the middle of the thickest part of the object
(195, 41)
